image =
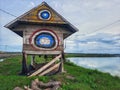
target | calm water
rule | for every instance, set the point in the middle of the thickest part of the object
(1, 60)
(105, 64)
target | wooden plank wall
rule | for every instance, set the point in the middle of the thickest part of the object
(29, 31)
(32, 16)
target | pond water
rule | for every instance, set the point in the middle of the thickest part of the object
(1, 60)
(104, 64)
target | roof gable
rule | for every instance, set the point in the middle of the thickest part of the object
(32, 17)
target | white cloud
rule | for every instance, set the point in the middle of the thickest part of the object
(97, 43)
(32, 4)
(90, 15)
(11, 39)
(86, 15)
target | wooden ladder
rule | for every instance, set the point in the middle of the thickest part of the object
(44, 70)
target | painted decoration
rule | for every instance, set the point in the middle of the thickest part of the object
(44, 15)
(44, 39)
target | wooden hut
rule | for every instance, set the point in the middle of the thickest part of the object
(43, 31)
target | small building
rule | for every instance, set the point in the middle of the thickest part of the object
(43, 31)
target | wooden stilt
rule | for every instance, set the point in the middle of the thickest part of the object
(45, 57)
(61, 65)
(62, 60)
(24, 64)
(33, 60)
(63, 56)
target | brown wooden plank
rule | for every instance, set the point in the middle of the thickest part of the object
(45, 66)
(50, 69)
(43, 52)
(28, 47)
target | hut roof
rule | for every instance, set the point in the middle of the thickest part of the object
(31, 17)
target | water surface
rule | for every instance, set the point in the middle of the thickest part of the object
(1, 60)
(104, 64)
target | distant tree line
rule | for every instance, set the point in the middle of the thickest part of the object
(90, 55)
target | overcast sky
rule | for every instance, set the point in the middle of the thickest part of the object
(98, 22)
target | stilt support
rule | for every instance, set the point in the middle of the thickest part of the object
(62, 60)
(33, 61)
(24, 64)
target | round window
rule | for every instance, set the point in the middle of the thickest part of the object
(44, 14)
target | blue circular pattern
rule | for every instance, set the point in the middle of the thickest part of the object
(45, 15)
(45, 40)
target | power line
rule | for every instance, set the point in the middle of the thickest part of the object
(7, 13)
(82, 34)
(98, 29)
(101, 28)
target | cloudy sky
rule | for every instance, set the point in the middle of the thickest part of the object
(98, 22)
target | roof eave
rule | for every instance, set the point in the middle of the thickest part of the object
(11, 24)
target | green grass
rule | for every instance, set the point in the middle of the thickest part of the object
(84, 79)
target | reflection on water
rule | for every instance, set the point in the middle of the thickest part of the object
(1, 60)
(105, 64)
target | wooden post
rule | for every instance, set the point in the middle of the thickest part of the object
(61, 68)
(24, 64)
(45, 57)
(33, 60)
(63, 56)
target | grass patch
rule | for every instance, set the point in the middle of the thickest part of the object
(84, 79)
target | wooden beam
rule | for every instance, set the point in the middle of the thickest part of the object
(45, 66)
(50, 69)
(62, 61)
(42, 52)
(33, 60)
(24, 64)
(61, 68)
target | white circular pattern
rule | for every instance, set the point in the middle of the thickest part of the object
(44, 14)
(44, 40)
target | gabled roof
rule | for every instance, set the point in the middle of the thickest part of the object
(31, 17)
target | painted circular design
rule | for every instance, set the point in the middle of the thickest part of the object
(44, 39)
(44, 15)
